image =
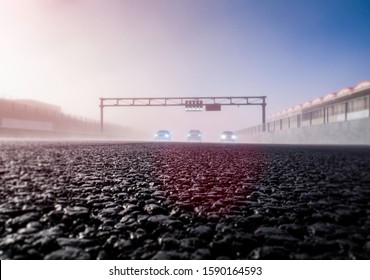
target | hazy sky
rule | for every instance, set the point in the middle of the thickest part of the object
(71, 52)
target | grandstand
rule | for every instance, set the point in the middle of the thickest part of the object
(336, 118)
(19, 117)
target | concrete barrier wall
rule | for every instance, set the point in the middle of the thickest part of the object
(354, 132)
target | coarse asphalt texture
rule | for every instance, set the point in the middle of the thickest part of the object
(111, 200)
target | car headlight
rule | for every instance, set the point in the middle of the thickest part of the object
(166, 135)
(233, 136)
(156, 135)
(223, 136)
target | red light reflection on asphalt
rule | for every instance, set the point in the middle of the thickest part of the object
(210, 182)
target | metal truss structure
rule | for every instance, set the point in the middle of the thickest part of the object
(182, 101)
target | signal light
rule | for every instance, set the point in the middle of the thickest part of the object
(194, 105)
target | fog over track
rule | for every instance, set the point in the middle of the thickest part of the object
(112, 200)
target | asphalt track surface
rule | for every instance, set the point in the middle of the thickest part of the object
(86, 200)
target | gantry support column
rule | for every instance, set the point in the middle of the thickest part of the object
(264, 114)
(101, 116)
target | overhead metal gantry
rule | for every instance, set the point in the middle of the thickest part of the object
(210, 103)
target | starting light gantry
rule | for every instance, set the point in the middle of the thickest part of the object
(190, 103)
